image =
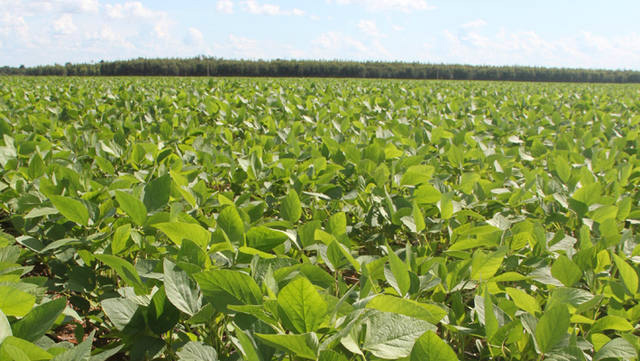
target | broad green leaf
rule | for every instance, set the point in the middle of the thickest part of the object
(427, 194)
(197, 351)
(120, 311)
(232, 225)
(265, 239)
(120, 238)
(337, 252)
(132, 206)
(125, 270)
(71, 209)
(247, 345)
(562, 168)
(301, 307)
(391, 335)
(38, 321)
(400, 272)
(618, 348)
(552, 327)
(5, 328)
(430, 347)
(628, 274)
(491, 324)
(303, 346)
(227, 287)
(14, 348)
(14, 302)
(337, 224)
(329, 355)
(418, 219)
(417, 174)
(611, 322)
(411, 308)
(485, 265)
(156, 193)
(181, 291)
(179, 231)
(523, 300)
(291, 209)
(565, 271)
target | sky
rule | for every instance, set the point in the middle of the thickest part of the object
(555, 33)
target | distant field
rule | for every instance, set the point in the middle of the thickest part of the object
(318, 219)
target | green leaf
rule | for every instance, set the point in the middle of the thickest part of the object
(36, 166)
(120, 238)
(125, 270)
(611, 322)
(303, 346)
(618, 348)
(132, 206)
(38, 321)
(13, 348)
(552, 327)
(523, 300)
(337, 224)
(562, 168)
(162, 315)
(181, 291)
(71, 209)
(14, 302)
(232, 225)
(265, 239)
(391, 335)
(400, 272)
(119, 310)
(197, 351)
(227, 287)
(565, 271)
(628, 274)
(300, 306)
(417, 174)
(156, 193)
(485, 265)
(418, 219)
(430, 347)
(411, 308)
(291, 209)
(329, 355)
(179, 231)
(5, 327)
(337, 252)
(247, 345)
(427, 194)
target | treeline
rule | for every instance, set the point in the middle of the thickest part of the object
(209, 66)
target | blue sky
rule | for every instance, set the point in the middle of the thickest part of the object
(566, 33)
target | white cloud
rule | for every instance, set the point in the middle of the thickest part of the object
(385, 5)
(194, 37)
(245, 48)
(369, 27)
(336, 45)
(131, 9)
(225, 6)
(253, 7)
(64, 25)
(478, 23)
(13, 26)
(398, 28)
(78, 6)
(107, 36)
(585, 50)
